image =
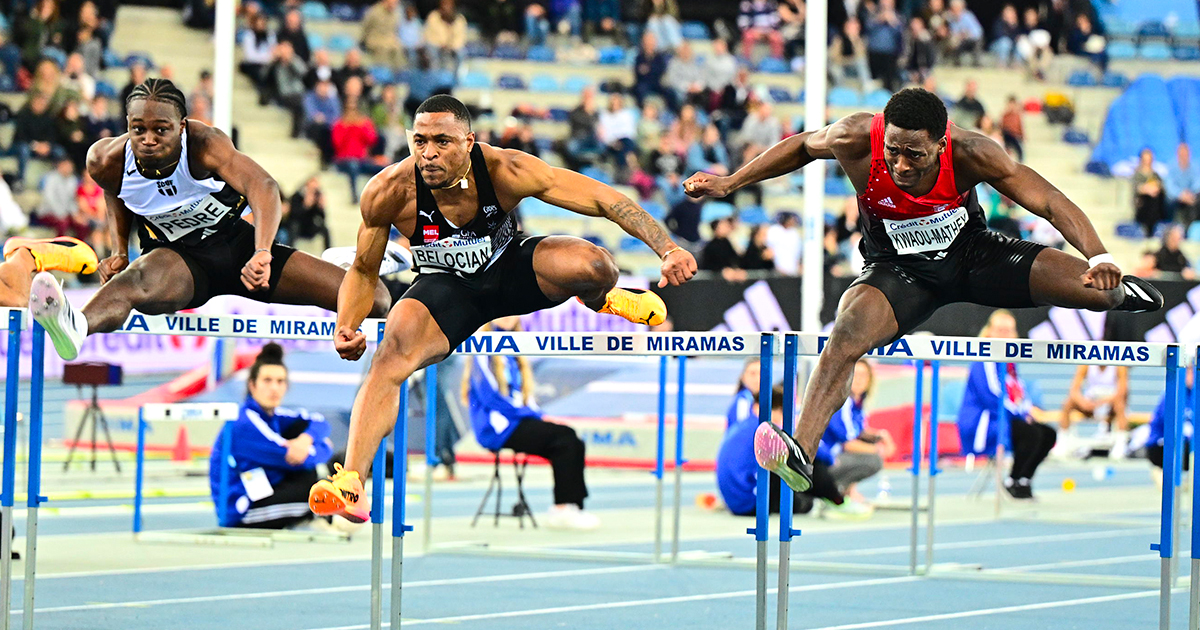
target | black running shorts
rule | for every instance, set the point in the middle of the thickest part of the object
(987, 268)
(216, 263)
(460, 305)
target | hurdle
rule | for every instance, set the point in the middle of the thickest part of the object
(632, 344)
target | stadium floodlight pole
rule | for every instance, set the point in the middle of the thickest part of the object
(224, 43)
(815, 57)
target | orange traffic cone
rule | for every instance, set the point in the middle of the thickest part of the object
(182, 451)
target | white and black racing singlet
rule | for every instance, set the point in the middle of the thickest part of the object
(898, 225)
(178, 208)
(439, 246)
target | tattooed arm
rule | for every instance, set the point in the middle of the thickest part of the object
(566, 189)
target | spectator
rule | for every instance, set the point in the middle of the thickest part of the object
(650, 127)
(518, 135)
(306, 213)
(353, 136)
(57, 208)
(1082, 41)
(685, 131)
(388, 116)
(719, 255)
(583, 145)
(137, 76)
(101, 123)
(567, 16)
(1145, 265)
(36, 132)
(72, 134)
(91, 213)
(424, 82)
(42, 27)
(683, 220)
(1101, 393)
(920, 51)
(720, 69)
(1156, 440)
(1040, 230)
(745, 399)
(292, 31)
(88, 40)
(848, 55)
(1034, 44)
(662, 19)
(381, 33)
(761, 130)
(685, 76)
(499, 391)
(1182, 186)
(537, 26)
(353, 69)
(834, 262)
(446, 34)
(501, 22)
(857, 451)
(1169, 259)
(847, 223)
(1148, 197)
(648, 69)
(987, 384)
(1013, 128)
(758, 256)
(885, 41)
(75, 78)
(203, 91)
(411, 31)
(759, 21)
(320, 69)
(617, 128)
(321, 108)
(47, 79)
(709, 154)
(258, 50)
(1005, 33)
(666, 166)
(785, 241)
(968, 110)
(275, 451)
(936, 19)
(285, 84)
(791, 27)
(966, 33)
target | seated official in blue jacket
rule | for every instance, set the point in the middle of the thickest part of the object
(978, 426)
(857, 451)
(1156, 440)
(499, 392)
(274, 453)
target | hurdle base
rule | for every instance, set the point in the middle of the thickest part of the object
(239, 537)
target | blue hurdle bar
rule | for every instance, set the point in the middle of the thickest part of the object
(659, 456)
(934, 391)
(1194, 594)
(34, 499)
(791, 352)
(917, 457)
(399, 494)
(679, 461)
(377, 482)
(1004, 441)
(431, 458)
(7, 495)
(1166, 540)
(762, 508)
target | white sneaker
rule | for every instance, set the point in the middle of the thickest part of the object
(571, 517)
(396, 258)
(848, 510)
(1120, 447)
(49, 306)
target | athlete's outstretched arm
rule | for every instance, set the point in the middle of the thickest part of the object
(100, 166)
(586, 196)
(989, 162)
(262, 193)
(357, 293)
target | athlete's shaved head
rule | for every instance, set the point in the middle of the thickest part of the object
(917, 109)
(444, 103)
(161, 90)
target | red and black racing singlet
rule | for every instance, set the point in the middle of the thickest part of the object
(896, 224)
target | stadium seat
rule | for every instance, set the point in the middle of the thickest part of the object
(1186, 30)
(541, 53)
(1187, 53)
(838, 187)
(106, 89)
(339, 43)
(576, 84)
(511, 53)
(315, 41)
(1081, 78)
(112, 60)
(476, 81)
(130, 59)
(1119, 28)
(1075, 135)
(476, 50)
(1193, 233)
(8, 85)
(1155, 51)
(314, 11)
(844, 97)
(1130, 230)
(1114, 80)
(1097, 167)
(597, 174)
(558, 114)
(774, 66)
(1122, 50)
(696, 30)
(544, 145)
(632, 244)
(780, 94)
(1153, 29)
(346, 13)
(611, 55)
(595, 239)
(877, 99)
(510, 82)
(713, 210)
(383, 75)
(543, 83)
(753, 215)
(656, 210)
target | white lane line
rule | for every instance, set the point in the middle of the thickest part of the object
(971, 544)
(637, 602)
(983, 612)
(1144, 557)
(347, 589)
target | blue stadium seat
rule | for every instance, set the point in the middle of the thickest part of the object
(1186, 30)
(1122, 50)
(838, 187)
(844, 97)
(1131, 230)
(1153, 29)
(780, 94)
(1155, 51)
(1117, 27)
(713, 210)
(1187, 53)
(597, 174)
(112, 60)
(696, 30)
(877, 99)
(383, 75)
(339, 43)
(656, 210)
(509, 52)
(632, 244)
(611, 55)
(1074, 135)
(595, 239)
(543, 83)
(106, 89)
(132, 58)
(774, 66)
(476, 49)
(1193, 233)
(558, 114)
(531, 207)
(510, 82)
(346, 13)
(544, 145)
(476, 81)
(7, 84)
(1081, 78)
(314, 11)
(1114, 80)
(315, 41)
(576, 84)
(753, 215)
(541, 53)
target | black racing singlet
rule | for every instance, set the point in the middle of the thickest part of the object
(441, 247)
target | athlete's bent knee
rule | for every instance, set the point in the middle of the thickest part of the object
(599, 269)
(383, 301)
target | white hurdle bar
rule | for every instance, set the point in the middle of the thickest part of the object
(767, 345)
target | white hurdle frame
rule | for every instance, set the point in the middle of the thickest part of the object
(767, 345)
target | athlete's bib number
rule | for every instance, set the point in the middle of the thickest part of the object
(174, 224)
(926, 234)
(454, 254)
